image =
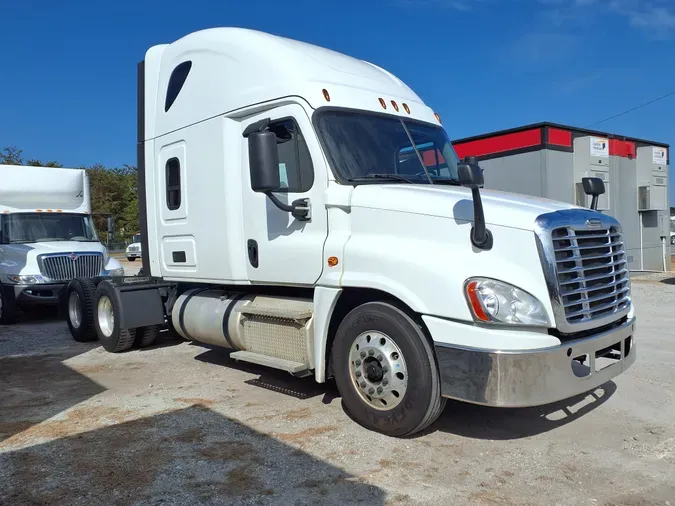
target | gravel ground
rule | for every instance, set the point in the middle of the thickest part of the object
(181, 424)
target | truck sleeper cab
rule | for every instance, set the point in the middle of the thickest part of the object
(309, 214)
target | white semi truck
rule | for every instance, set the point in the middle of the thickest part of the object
(306, 210)
(47, 236)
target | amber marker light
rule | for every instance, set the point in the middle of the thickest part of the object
(438, 118)
(383, 103)
(406, 108)
(332, 261)
(326, 95)
(476, 305)
(395, 105)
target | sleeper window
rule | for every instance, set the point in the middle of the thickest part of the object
(176, 82)
(296, 171)
(173, 184)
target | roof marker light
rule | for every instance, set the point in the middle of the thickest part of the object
(326, 95)
(383, 103)
(407, 109)
(438, 118)
(395, 105)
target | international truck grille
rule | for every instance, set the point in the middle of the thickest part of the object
(592, 273)
(64, 267)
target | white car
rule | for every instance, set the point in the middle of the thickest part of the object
(134, 249)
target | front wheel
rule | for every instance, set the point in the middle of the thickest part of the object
(8, 309)
(131, 259)
(385, 370)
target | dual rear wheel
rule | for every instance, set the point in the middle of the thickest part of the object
(91, 315)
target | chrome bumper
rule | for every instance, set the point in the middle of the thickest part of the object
(533, 377)
(46, 294)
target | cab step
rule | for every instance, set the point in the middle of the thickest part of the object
(296, 368)
(279, 307)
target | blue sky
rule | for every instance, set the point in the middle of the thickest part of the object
(68, 78)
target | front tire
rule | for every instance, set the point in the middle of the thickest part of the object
(131, 259)
(385, 370)
(79, 308)
(107, 322)
(8, 308)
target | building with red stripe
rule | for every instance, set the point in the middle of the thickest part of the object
(549, 160)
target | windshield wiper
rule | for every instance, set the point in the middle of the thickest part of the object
(448, 181)
(391, 177)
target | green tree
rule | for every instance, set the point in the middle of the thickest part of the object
(11, 155)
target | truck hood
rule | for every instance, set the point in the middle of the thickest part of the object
(455, 202)
(22, 258)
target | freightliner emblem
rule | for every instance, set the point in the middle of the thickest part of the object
(593, 223)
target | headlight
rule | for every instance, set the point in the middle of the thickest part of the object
(117, 272)
(493, 301)
(26, 280)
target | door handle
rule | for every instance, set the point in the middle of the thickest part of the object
(252, 247)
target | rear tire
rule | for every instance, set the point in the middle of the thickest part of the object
(146, 336)
(106, 320)
(79, 309)
(8, 308)
(401, 395)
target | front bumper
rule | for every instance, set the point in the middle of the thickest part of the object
(43, 294)
(521, 378)
(133, 254)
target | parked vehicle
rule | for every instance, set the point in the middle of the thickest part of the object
(134, 249)
(47, 236)
(309, 213)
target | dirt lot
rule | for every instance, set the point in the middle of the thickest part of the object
(181, 424)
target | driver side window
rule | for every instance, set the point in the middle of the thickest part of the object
(296, 171)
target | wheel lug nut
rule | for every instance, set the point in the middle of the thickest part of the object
(363, 354)
(385, 369)
(363, 384)
(371, 353)
(371, 391)
(379, 390)
(385, 382)
(358, 362)
(358, 374)
(380, 358)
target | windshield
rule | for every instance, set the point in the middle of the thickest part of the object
(43, 227)
(136, 238)
(367, 146)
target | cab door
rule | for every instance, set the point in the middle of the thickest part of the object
(279, 248)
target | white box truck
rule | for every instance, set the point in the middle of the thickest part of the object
(47, 236)
(133, 251)
(306, 210)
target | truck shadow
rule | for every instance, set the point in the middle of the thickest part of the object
(271, 379)
(480, 422)
(188, 456)
(458, 418)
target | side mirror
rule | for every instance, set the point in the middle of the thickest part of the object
(263, 159)
(593, 186)
(470, 174)
(263, 162)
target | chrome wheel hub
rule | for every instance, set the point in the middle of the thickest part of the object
(378, 370)
(106, 316)
(75, 310)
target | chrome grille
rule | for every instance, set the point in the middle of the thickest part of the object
(66, 266)
(586, 268)
(592, 272)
